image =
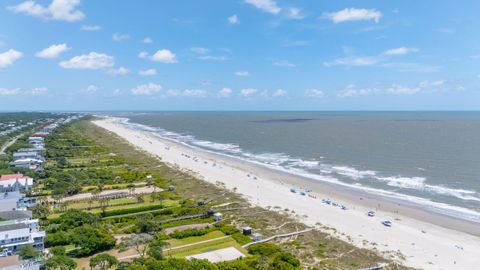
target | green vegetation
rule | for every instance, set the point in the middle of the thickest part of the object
(28, 252)
(103, 261)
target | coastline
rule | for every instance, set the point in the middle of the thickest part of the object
(428, 240)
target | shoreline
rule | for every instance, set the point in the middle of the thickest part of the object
(428, 240)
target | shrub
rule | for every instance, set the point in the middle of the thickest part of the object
(189, 233)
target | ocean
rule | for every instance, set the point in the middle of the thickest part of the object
(430, 158)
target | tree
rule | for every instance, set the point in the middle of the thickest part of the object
(138, 242)
(146, 223)
(90, 240)
(156, 248)
(74, 218)
(60, 263)
(28, 252)
(104, 261)
(41, 211)
(58, 251)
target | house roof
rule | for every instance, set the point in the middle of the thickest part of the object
(13, 215)
(10, 176)
(11, 227)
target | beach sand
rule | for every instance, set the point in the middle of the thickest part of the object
(426, 240)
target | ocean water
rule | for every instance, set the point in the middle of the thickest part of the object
(432, 158)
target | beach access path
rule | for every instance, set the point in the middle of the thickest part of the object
(421, 240)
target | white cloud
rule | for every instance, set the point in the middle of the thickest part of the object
(247, 92)
(354, 14)
(284, 63)
(280, 93)
(242, 73)
(203, 54)
(91, 89)
(17, 91)
(194, 93)
(400, 51)
(398, 89)
(53, 51)
(121, 71)
(200, 50)
(269, 6)
(233, 19)
(295, 13)
(295, 43)
(143, 54)
(148, 72)
(147, 40)
(314, 93)
(90, 28)
(63, 10)
(352, 90)
(164, 56)
(213, 57)
(9, 92)
(9, 57)
(93, 60)
(225, 92)
(120, 37)
(146, 89)
(38, 91)
(353, 61)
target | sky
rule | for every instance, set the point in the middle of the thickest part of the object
(239, 55)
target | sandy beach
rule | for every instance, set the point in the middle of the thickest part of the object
(426, 240)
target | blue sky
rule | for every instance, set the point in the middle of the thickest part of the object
(239, 55)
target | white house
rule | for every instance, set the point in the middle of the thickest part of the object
(25, 155)
(17, 230)
(15, 182)
(30, 163)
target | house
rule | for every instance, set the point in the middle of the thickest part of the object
(21, 150)
(31, 163)
(15, 182)
(36, 140)
(25, 155)
(18, 229)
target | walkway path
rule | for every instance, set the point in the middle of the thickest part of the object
(277, 236)
(9, 143)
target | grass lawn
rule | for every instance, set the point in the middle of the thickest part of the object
(115, 186)
(96, 203)
(166, 203)
(194, 239)
(206, 247)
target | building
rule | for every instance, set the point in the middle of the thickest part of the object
(25, 155)
(18, 229)
(15, 182)
(21, 150)
(16, 201)
(218, 216)
(30, 163)
(247, 230)
(36, 140)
